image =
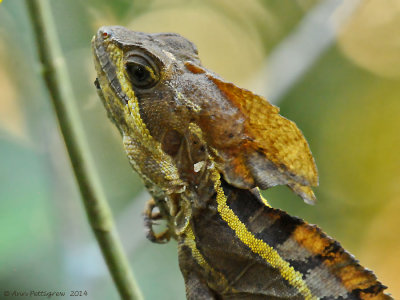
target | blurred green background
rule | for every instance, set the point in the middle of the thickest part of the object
(332, 66)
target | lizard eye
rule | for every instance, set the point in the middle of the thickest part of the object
(141, 72)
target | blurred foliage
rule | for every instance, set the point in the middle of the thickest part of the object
(347, 105)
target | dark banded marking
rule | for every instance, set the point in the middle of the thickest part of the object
(274, 233)
(242, 268)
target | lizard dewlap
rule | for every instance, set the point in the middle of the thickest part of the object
(203, 148)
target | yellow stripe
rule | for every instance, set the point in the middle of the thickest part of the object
(256, 245)
(191, 243)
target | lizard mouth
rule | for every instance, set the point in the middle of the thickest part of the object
(106, 70)
(107, 84)
(100, 93)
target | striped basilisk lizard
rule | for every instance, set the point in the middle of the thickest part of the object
(203, 147)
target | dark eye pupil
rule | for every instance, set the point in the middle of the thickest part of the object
(140, 73)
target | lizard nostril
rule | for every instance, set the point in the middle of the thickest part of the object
(97, 84)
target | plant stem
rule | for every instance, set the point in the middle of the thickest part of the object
(55, 75)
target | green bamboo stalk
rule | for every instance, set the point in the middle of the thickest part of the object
(56, 77)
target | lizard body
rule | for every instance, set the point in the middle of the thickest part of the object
(203, 147)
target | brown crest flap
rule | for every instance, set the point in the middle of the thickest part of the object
(275, 151)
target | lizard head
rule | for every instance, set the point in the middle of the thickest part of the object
(135, 65)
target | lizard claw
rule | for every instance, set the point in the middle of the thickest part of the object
(150, 219)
